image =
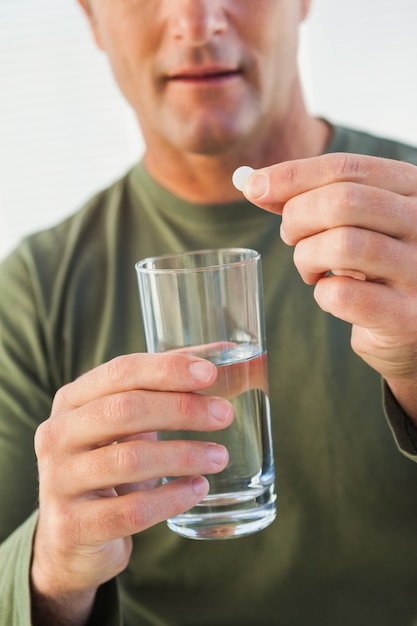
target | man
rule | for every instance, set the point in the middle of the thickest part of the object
(214, 84)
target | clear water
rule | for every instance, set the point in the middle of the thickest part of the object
(241, 497)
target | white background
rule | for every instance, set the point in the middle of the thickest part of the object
(65, 131)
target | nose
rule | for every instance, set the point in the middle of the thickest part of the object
(195, 22)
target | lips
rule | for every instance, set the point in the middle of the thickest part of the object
(204, 74)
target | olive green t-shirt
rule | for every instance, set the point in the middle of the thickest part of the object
(343, 549)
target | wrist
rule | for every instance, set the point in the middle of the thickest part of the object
(55, 602)
(59, 607)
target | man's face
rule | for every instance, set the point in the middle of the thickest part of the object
(202, 75)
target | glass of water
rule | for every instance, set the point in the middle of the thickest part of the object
(209, 303)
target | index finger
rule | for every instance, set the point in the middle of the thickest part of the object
(168, 371)
(271, 187)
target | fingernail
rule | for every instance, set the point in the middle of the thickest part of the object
(217, 454)
(201, 370)
(256, 186)
(220, 409)
(199, 485)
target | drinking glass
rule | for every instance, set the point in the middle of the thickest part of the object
(209, 303)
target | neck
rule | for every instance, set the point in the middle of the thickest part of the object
(207, 178)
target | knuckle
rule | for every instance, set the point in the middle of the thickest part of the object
(62, 398)
(333, 297)
(187, 457)
(166, 365)
(125, 458)
(292, 175)
(187, 404)
(290, 222)
(183, 460)
(44, 439)
(61, 522)
(137, 514)
(169, 364)
(302, 255)
(117, 368)
(298, 256)
(346, 243)
(348, 197)
(347, 166)
(121, 406)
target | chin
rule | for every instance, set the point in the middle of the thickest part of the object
(209, 146)
(212, 138)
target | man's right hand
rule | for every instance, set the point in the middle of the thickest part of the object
(100, 465)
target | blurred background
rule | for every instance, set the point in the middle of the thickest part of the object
(65, 131)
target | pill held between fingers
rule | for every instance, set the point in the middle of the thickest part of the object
(240, 175)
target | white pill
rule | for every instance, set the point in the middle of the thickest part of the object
(240, 175)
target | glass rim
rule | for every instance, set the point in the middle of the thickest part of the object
(146, 266)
